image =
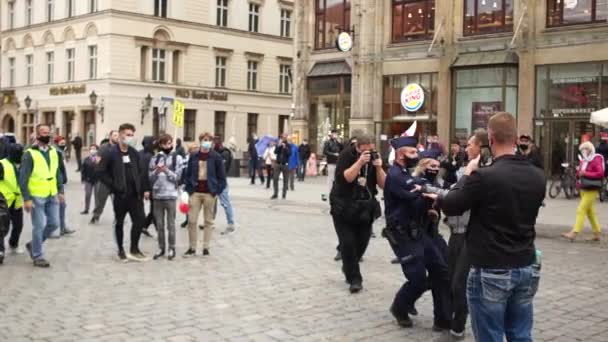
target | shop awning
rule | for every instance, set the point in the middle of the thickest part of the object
(330, 69)
(486, 58)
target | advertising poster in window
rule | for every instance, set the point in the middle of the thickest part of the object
(482, 112)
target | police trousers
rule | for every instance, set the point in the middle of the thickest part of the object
(429, 255)
(353, 243)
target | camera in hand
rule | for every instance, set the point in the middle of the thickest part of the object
(374, 155)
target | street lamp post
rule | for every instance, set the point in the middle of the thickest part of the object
(145, 107)
(99, 109)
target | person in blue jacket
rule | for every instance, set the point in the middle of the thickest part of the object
(294, 161)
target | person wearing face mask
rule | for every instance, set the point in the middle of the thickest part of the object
(407, 219)
(122, 170)
(529, 151)
(88, 176)
(165, 172)
(281, 166)
(102, 192)
(41, 183)
(205, 179)
(9, 188)
(353, 203)
(60, 144)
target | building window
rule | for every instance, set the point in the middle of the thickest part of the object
(189, 124)
(285, 79)
(252, 124)
(283, 123)
(160, 8)
(481, 92)
(222, 13)
(50, 8)
(252, 75)
(27, 126)
(11, 15)
(220, 72)
(331, 17)
(11, 72)
(158, 65)
(413, 20)
(93, 62)
(562, 13)
(93, 6)
(50, 66)
(487, 16)
(285, 23)
(219, 124)
(28, 12)
(254, 17)
(29, 69)
(70, 53)
(48, 118)
(70, 8)
(143, 62)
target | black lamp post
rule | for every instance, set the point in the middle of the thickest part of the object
(93, 98)
(145, 107)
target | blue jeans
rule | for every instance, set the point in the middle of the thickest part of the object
(45, 220)
(62, 207)
(225, 203)
(500, 303)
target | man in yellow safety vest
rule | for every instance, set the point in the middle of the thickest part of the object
(9, 188)
(42, 187)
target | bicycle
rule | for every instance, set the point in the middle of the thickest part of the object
(565, 182)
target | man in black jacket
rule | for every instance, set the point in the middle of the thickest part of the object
(77, 144)
(331, 151)
(146, 153)
(122, 170)
(529, 151)
(101, 190)
(304, 152)
(504, 200)
(283, 152)
(255, 163)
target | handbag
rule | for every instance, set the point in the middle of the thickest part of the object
(590, 184)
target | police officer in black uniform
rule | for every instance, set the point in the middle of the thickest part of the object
(407, 221)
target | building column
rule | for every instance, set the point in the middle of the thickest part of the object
(302, 27)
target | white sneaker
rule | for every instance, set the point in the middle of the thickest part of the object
(17, 250)
(229, 230)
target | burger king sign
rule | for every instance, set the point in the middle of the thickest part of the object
(412, 97)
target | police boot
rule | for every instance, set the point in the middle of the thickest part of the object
(403, 321)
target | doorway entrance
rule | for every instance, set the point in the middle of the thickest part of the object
(8, 124)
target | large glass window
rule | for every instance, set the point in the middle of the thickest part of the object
(284, 79)
(254, 17)
(285, 23)
(487, 16)
(331, 17)
(330, 103)
(571, 12)
(28, 12)
(413, 19)
(480, 93)
(70, 54)
(158, 65)
(219, 126)
(189, 124)
(220, 72)
(50, 66)
(252, 124)
(93, 62)
(252, 75)
(222, 13)
(11, 71)
(29, 69)
(160, 8)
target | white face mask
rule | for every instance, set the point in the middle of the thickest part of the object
(131, 141)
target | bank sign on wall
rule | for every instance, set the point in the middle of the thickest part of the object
(412, 97)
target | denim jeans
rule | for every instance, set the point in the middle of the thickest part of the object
(500, 303)
(62, 207)
(45, 220)
(225, 203)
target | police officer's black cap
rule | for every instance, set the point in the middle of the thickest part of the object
(404, 142)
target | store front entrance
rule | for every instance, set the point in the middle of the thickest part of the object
(559, 140)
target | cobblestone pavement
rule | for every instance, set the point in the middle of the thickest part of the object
(274, 280)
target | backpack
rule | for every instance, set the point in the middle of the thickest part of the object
(172, 167)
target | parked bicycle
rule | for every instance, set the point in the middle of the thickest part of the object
(565, 182)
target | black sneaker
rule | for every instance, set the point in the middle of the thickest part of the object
(404, 322)
(42, 263)
(122, 256)
(205, 251)
(439, 327)
(284, 196)
(85, 212)
(1, 258)
(189, 253)
(274, 197)
(184, 224)
(67, 231)
(137, 256)
(28, 246)
(412, 311)
(355, 288)
(159, 254)
(146, 232)
(94, 220)
(171, 255)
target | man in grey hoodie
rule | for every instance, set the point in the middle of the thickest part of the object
(165, 172)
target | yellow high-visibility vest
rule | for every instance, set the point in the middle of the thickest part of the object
(43, 181)
(9, 186)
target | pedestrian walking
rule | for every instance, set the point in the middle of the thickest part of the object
(224, 197)
(304, 154)
(60, 144)
(41, 184)
(270, 159)
(281, 167)
(146, 155)
(331, 151)
(101, 190)
(77, 145)
(504, 201)
(88, 177)
(353, 203)
(589, 177)
(165, 173)
(11, 193)
(294, 160)
(255, 161)
(122, 170)
(205, 179)
(193, 148)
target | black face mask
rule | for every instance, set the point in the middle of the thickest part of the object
(431, 175)
(411, 163)
(523, 147)
(167, 150)
(61, 147)
(45, 140)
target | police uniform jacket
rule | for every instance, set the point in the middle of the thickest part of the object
(402, 206)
